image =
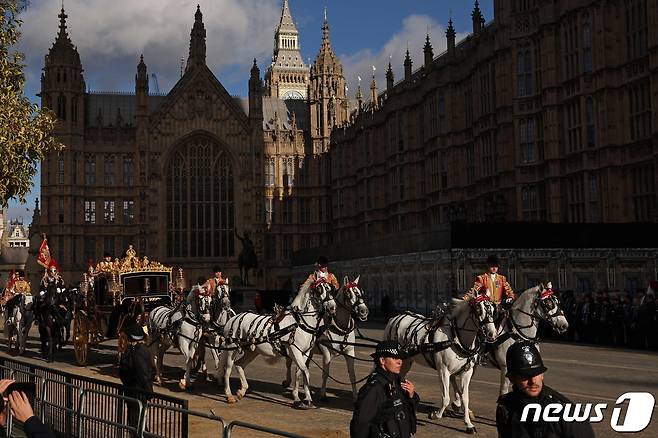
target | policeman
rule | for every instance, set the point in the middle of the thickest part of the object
(386, 405)
(136, 372)
(526, 369)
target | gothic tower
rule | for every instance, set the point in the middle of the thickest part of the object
(287, 77)
(63, 91)
(327, 100)
(62, 83)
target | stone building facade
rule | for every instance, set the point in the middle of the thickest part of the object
(419, 281)
(547, 113)
(179, 175)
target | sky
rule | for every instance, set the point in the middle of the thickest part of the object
(111, 35)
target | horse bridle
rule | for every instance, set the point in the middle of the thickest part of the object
(480, 324)
(543, 297)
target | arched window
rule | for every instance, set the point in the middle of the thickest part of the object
(61, 107)
(74, 109)
(200, 201)
(587, 44)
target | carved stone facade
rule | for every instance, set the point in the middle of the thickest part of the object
(419, 281)
(548, 113)
(178, 174)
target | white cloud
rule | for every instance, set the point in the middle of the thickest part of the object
(111, 34)
(412, 35)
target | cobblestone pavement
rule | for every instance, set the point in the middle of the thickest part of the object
(581, 372)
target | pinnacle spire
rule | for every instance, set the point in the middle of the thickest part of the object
(286, 24)
(62, 24)
(450, 31)
(197, 54)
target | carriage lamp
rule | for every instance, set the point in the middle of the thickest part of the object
(115, 289)
(180, 280)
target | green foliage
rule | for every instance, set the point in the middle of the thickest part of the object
(25, 130)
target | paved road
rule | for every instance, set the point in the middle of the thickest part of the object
(583, 373)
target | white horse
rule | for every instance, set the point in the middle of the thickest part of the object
(533, 305)
(339, 336)
(220, 313)
(182, 325)
(446, 344)
(291, 334)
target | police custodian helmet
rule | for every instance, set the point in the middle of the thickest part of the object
(388, 348)
(524, 360)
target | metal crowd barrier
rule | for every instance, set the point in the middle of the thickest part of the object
(233, 424)
(73, 405)
(186, 413)
(61, 393)
(90, 426)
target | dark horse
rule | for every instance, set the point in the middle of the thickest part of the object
(52, 320)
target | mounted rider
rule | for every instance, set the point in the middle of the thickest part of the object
(493, 284)
(321, 273)
(213, 284)
(17, 285)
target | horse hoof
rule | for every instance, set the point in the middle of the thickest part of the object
(471, 414)
(434, 415)
(240, 394)
(471, 430)
(308, 404)
(297, 405)
(231, 399)
(182, 386)
(285, 384)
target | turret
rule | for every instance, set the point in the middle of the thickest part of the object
(407, 66)
(390, 78)
(450, 36)
(255, 95)
(197, 56)
(428, 51)
(478, 19)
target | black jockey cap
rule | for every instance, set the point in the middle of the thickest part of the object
(493, 260)
(135, 332)
(217, 268)
(388, 349)
(322, 262)
(524, 360)
(107, 254)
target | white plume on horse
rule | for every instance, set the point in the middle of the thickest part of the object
(458, 333)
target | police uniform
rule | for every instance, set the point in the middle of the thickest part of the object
(136, 372)
(383, 409)
(523, 359)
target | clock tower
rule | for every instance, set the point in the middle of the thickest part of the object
(288, 76)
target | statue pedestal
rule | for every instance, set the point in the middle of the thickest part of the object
(242, 298)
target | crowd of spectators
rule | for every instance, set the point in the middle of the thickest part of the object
(614, 318)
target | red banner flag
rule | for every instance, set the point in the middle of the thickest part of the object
(44, 255)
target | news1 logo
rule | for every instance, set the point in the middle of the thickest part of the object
(638, 413)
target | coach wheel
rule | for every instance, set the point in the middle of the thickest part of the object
(81, 340)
